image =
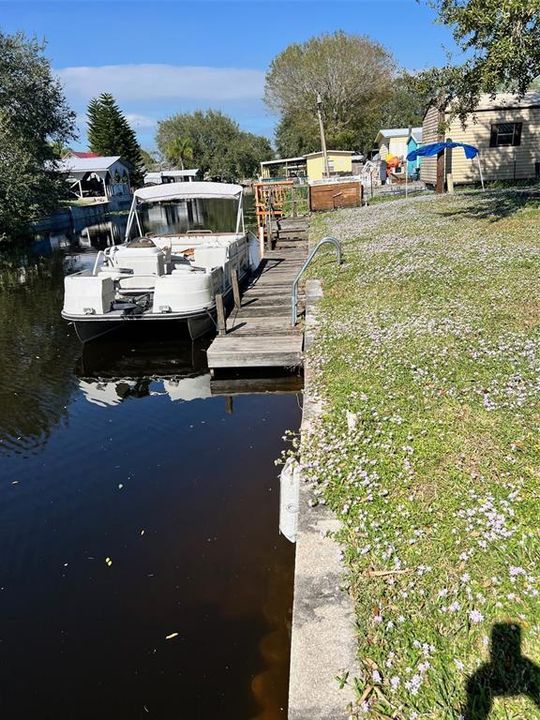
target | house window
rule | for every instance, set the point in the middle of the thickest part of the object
(505, 134)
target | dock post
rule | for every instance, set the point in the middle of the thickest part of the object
(269, 229)
(235, 288)
(220, 309)
(261, 241)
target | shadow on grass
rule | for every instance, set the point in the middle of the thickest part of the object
(507, 674)
(496, 205)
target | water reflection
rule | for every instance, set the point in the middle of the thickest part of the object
(116, 450)
(38, 351)
(214, 215)
(112, 372)
(102, 235)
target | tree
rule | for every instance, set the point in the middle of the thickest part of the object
(150, 160)
(297, 134)
(353, 76)
(504, 38)
(408, 102)
(34, 122)
(179, 151)
(248, 152)
(220, 149)
(109, 133)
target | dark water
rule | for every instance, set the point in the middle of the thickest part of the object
(122, 452)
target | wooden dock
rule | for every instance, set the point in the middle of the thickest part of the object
(259, 332)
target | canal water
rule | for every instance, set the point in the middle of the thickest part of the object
(142, 573)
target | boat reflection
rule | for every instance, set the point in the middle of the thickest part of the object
(110, 373)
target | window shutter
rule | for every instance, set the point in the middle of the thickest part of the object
(517, 133)
(493, 139)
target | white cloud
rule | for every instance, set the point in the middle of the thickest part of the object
(140, 121)
(159, 82)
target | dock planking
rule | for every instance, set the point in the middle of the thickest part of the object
(259, 332)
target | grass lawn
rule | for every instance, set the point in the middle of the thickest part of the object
(427, 360)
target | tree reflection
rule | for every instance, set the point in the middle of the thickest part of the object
(38, 350)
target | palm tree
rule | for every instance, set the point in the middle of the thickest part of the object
(180, 151)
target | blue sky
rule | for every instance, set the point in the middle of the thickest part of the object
(159, 58)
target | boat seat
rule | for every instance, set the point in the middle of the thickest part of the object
(144, 282)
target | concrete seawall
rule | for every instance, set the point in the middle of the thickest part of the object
(323, 646)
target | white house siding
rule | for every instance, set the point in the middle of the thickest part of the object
(428, 170)
(498, 163)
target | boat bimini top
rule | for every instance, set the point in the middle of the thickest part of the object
(186, 191)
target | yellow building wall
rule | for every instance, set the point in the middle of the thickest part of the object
(338, 164)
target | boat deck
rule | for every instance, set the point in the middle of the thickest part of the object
(259, 332)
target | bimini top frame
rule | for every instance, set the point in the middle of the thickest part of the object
(186, 191)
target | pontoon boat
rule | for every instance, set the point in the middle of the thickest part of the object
(165, 278)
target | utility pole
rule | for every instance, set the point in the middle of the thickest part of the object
(323, 139)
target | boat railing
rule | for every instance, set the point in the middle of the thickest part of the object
(294, 294)
(100, 255)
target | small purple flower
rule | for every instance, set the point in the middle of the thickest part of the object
(475, 616)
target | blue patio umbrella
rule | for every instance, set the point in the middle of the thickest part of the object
(432, 149)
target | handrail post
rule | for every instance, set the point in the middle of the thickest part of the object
(329, 240)
(94, 269)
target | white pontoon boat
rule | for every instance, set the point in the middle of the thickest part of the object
(163, 278)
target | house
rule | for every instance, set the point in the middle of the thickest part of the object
(506, 131)
(393, 141)
(339, 163)
(308, 167)
(96, 176)
(168, 176)
(413, 142)
(284, 168)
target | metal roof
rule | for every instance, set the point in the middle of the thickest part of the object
(280, 161)
(87, 164)
(330, 152)
(398, 132)
(188, 191)
(507, 100)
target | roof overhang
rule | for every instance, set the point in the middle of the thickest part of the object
(330, 152)
(282, 161)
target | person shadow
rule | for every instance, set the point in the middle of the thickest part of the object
(507, 674)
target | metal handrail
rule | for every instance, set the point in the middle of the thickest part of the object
(294, 295)
(98, 256)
